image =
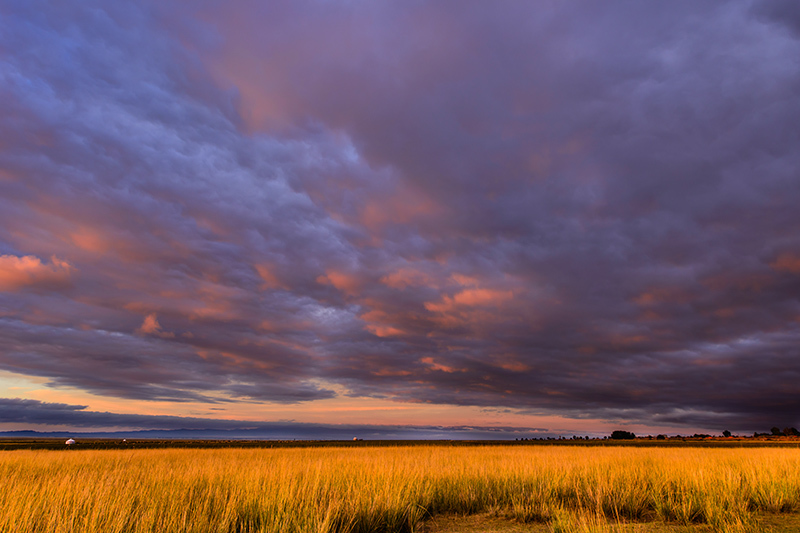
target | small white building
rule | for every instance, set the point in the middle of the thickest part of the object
(70, 442)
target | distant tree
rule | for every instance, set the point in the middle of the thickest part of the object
(661, 437)
(622, 435)
(726, 433)
(791, 432)
(776, 431)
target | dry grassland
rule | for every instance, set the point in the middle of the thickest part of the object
(307, 490)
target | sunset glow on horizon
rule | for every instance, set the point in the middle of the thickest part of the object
(434, 219)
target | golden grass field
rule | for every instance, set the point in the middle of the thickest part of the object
(388, 489)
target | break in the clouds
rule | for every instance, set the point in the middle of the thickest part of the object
(576, 208)
(32, 412)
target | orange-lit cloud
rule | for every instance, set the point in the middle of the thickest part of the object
(217, 302)
(267, 275)
(470, 298)
(343, 281)
(380, 324)
(476, 302)
(406, 277)
(787, 263)
(434, 365)
(91, 240)
(29, 271)
(486, 297)
(510, 362)
(380, 330)
(150, 326)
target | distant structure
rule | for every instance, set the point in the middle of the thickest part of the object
(355, 438)
(70, 442)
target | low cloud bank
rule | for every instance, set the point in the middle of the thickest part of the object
(20, 411)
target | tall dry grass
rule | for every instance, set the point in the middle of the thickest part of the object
(388, 489)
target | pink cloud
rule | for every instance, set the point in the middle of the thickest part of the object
(343, 281)
(150, 326)
(482, 297)
(473, 305)
(380, 323)
(434, 365)
(29, 271)
(406, 277)
(470, 298)
(91, 240)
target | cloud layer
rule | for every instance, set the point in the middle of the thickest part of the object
(561, 207)
(99, 424)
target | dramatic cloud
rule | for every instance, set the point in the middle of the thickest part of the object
(567, 208)
(29, 271)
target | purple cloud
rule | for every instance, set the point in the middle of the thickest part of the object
(575, 209)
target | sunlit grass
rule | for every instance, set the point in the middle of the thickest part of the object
(389, 489)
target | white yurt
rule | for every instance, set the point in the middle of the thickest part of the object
(70, 442)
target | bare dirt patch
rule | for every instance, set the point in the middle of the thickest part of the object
(486, 523)
(479, 524)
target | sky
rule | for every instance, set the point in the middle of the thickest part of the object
(526, 218)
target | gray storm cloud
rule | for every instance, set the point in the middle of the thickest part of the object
(578, 208)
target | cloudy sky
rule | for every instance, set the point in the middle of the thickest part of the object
(556, 216)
